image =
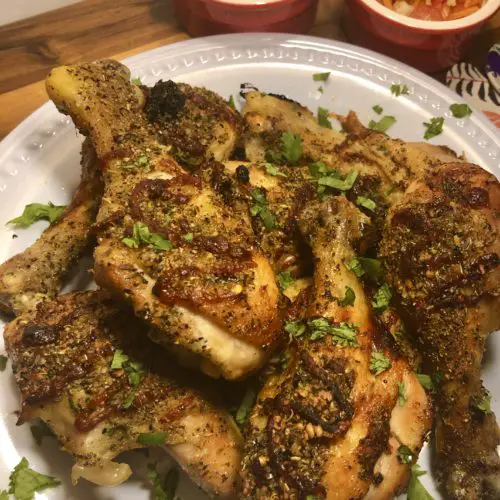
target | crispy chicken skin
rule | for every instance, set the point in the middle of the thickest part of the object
(327, 426)
(37, 272)
(441, 252)
(64, 356)
(214, 294)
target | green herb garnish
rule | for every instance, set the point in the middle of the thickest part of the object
(3, 362)
(246, 405)
(383, 124)
(25, 482)
(291, 147)
(416, 490)
(484, 404)
(367, 203)
(460, 110)
(230, 102)
(378, 109)
(295, 329)
(398, 89)
(349, 297)
(260, 208)
(285, 279)
(382, 298)
(134, 371)
(340, 184)
(426, 381)
(152, 438)
(433, 128)
(188, 237)
(405, 454)
(163, 489)
(142, 236)
(323, 118)
(141, 161)
(402, 397)
(346, 334)
(379, 363)
(364, 265)
(39, 431)
(321, 77)
(38, 211)
(272, 170)
(136, 80)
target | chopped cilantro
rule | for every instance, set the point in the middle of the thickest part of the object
(382, 298)
(484, 404)
(346, 334)
(318, 328)
(136, 80)
(340, 184)
(379, 363)
(321, 77)
(460, 110)
(433, 128)
(134, 371)
(119, 358)
(383, 124)
(323, 118)
(141, 235)
(152, 438)
(319, 169)
(4, 495)
(38, 211)
(321, 89)
(378, 109)
(272, 170)
(426, 381)
(295, 329)
(188, 237)
(405, 454)
(416, 490)
(39, 431)
(230, 102)
(349, 297)
(291, 147)
(398, 89)
(25, 482)
(163, 489)
(364, 265)
(141, 161)
(402, 397)
(285, 279)
(260, 208)
(367, 203)
(246, 405)
(387, 192)
(3, 362)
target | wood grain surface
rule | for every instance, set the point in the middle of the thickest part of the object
(93, 29)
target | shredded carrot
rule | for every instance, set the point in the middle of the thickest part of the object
(388, 3)
(472, 3)
(458, 14)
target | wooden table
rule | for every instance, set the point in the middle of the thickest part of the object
(93, 29)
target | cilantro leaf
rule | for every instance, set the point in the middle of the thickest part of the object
(230, 102)
(3, 362)
(379, 363)
(378, 109)
(433, 128)
(141, 235)
(163, 489)
(398, 89)
(402, 397)
(460, 110)
(383, 124)
(484, 404)
(367, 203)
(152, 438)
(39, 431)
(323, 118)
(136, 80)
(25, 482)
(382, 298)
(416, 490)
(295, 328)
(260, 208)
(346, 334)
(38, 211)
(141, 161)
(272, 170)
(340, 184)
(426, 381)
(119, 358)
(349, 297)
(319, 169)
(318, 328)
(246, 405)
(291, 147)
(321, 77)
(285, 279)
(405, 454)
(364, 265)
(4, 495)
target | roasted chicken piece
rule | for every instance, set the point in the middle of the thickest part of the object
(167, 242)
(37, 272)
(330, 424)
(85, 366)
(441, 250)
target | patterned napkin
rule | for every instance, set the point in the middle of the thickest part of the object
(479, 86)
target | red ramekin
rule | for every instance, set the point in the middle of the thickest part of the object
(211, 17)
(427, 45)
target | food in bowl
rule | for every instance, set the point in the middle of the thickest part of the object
(434, 10)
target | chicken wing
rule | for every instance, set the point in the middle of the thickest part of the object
(85, 366)
(330, 425)
(37, 272)
(167, 243)
(441, 250)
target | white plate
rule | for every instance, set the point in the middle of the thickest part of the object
(39, 161)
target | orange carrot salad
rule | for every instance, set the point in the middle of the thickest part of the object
(434, 10)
